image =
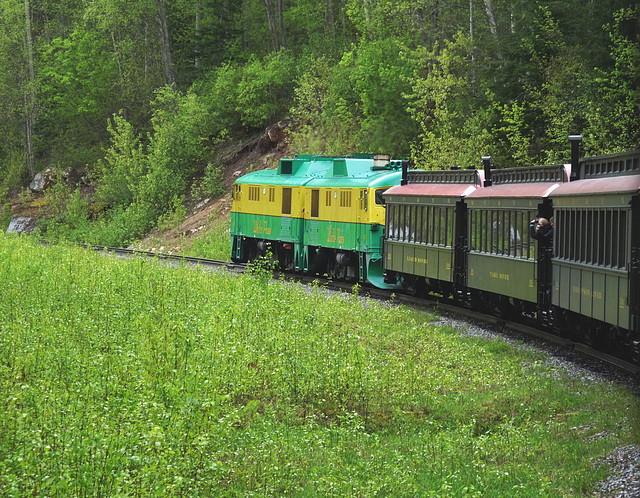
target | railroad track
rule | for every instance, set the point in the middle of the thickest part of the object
(210, 263)
(524, 329)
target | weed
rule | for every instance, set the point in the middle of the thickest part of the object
(5, 217)
(129, 377)
(174, 215)
(214, 244)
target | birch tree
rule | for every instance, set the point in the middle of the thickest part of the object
(29, 93)
(273, 29)
(165, 46)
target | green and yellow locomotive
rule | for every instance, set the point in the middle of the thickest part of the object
(316, 214)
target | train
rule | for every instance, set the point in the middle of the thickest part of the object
(551, 243)
(316, 214)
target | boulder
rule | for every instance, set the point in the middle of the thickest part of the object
(273, 137)
(22, 224)
(42, 180)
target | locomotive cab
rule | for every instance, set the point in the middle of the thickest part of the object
(316, 214)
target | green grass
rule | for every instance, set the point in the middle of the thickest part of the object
(131, 378)
(215, 244)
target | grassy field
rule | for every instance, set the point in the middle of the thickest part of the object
(214, 244)
(130, 378)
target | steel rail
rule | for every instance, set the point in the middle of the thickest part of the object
(444, 305)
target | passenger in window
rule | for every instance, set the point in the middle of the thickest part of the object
(541, 229)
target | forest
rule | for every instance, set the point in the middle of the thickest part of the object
(139, 95)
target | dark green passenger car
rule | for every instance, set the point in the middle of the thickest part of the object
(426, 230)
(596, 271)
(507, 269)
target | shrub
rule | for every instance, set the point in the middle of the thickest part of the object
(123, 166)
(250, 96)
(359, 104)
(211, 184)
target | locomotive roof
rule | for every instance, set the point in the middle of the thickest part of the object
(324, 171)
(305, 171)
(366, 179)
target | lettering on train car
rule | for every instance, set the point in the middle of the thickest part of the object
(499, 276)
(261, 227)
(411, 259)
(586, 292)
(333, 235)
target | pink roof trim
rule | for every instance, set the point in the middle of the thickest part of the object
(538, 190)
(432, 190)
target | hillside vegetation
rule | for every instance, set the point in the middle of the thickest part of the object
(133, 378)
(139, 98)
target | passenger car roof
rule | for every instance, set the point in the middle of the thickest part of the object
(432, 190)
(511, 190)
(608, 185)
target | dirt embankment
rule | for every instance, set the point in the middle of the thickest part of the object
(236, 159)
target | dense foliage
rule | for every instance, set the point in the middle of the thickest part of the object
(133, 378)
(135, 94)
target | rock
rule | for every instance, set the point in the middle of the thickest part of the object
(46, 178)
(20, 224)
(276, 133)
(624, 481)
(201, 204)
(273, 137)
(73, 175)
(42, 180)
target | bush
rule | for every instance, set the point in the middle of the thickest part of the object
(212, 183)
(174, 216)
(265, 90)
(69, 218)
(123, 166)
(358, 105)
(13, 172)
(141, 179)
(5, 217)
(252, 96)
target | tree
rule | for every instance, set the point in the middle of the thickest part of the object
(30, 93)
(275, 18)
(77, 78)
(165, 46)
(442, 103)
(614, 112)
(12, 94)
